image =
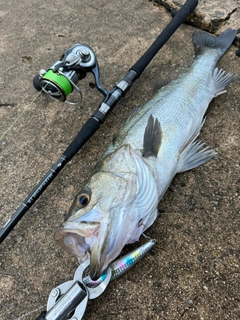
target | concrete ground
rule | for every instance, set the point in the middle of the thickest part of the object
(214, 16)
(193, 271)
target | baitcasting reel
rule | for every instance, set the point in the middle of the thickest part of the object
(62, 77)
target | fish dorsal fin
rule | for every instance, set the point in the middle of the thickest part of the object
(152, 138)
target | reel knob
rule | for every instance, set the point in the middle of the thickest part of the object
(36, 83)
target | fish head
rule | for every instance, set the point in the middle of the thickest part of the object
(98, 223)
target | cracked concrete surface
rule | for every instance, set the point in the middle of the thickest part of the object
(193, 273)
(214, 16)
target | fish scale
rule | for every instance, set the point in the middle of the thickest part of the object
(157, 141)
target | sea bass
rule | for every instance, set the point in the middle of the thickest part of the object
(120, 200)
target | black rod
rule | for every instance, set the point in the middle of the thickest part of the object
(92, 124)
(164, 36)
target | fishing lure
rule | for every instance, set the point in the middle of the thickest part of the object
(122, 264)
(71, 297)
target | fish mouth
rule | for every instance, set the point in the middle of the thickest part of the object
(84, 239)
(77, 238)
(93, 235)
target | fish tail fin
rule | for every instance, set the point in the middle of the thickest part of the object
(203, 40)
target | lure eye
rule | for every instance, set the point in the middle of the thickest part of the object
(84, 197)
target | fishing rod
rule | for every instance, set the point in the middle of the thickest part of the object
(61, 79)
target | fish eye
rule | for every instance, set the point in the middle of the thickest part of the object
(84, 197)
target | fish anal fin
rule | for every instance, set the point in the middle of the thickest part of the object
(194, 155)
(133, 113)
(152, 138)
(160, 84)
(221, 80)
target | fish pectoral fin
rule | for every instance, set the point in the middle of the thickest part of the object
(221, 80)
(193, 156)
(152, 138)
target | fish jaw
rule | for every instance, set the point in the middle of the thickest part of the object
(103, 239)
(117, 231)
(99, 240)
(98, 256)
(77, 238)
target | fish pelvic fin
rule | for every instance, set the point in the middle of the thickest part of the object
(152, 138)
(194, 155)
(221, 80)
(203, 40)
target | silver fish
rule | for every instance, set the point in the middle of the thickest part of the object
(120, 200)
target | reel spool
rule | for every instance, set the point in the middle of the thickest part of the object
(59, 81)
